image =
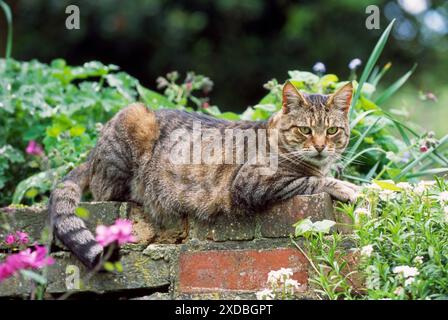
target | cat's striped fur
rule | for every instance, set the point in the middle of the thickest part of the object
(131, 162)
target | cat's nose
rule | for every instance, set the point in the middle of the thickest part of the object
(319, 148)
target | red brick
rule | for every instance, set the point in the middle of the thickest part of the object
(237, 270)
(277, 221)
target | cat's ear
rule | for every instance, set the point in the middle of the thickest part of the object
(292, 97)
(342, 98)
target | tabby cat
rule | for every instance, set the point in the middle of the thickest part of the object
(133, 161)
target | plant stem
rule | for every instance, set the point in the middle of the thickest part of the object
(8, 17)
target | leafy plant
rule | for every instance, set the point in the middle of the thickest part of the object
(399, 242)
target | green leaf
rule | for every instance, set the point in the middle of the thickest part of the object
(394, 87)
(393, 172)
(323, 226)
(77, 131)
(372, 171)
(229, 116)
(83, 213)
(306, 226)
(420, 158)
(303, 226)
(270, 98)
(109, 266)
(360, 117)
(328, 79)
(299, 78)
(368, 104)
(371, 62)
(42, 181)
(54, 131)
(358, 142)
(385, 185)
(118, 266)
(153, 99)
(34, 276)
(31, 193)
(8, 16)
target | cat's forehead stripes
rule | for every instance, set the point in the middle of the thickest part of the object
(317, 99)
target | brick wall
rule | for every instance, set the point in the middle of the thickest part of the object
(228, 258)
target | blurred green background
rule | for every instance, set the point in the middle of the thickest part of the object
(241, 45)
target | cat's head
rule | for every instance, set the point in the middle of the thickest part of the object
(312, 127)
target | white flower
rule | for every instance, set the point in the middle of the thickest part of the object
(386, 195)
(273, 277)
(419, 189)
(445, 211)
(362, 211)
(291, 285)
(279, 275)
(399, 291)
(285, 273)
(422, 186)
(405, 186)
(443, 197)
(354, 64)
(418, 260)
(319, 67)
(409, 281)
(265, 294)
(367, 250)
(406, 271)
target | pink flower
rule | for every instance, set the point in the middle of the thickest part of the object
(22, 237)
(26, 259)
(120, 232)
(423, 148)
(10, 239)
(5, 271)
(34, 259)
(34, 148)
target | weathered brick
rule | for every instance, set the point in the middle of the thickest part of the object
(34, 220)
(237, 270)
(224, 228)
(147, 231)
(140, 271)
(278, 220)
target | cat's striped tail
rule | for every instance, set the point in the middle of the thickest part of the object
(67, 226)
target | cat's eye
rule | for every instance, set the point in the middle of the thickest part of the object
(332, 130)
(305, 130)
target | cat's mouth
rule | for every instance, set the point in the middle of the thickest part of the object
(319, 157)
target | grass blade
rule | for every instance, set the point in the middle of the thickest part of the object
(381, 74)
(423, 156)
(360, 179)
(429, 172)
(360, 117)
(8, 16)
(358, 142)
(372, 61)
(360, 153)
(372, 171)
(394, 87)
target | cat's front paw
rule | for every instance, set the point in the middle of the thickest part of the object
(343, 193)
(352, 186)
